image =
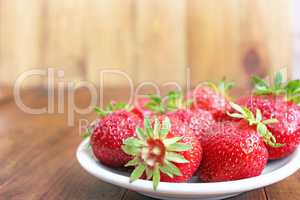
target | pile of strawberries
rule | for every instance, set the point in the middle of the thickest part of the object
(201, 133)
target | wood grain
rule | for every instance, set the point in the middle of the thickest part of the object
(20, 39)
(214, 38)
(37, 157)
(63, 44)
(161, 40)
(286, 189)
(237, 39)
(109, 40)
(148, 40)
(257, 195)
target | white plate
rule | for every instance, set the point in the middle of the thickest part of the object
(274, 172)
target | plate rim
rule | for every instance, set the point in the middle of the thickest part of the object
(217, 188)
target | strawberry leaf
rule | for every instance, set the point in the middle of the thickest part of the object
(278, 80)
(260, 82)
(224, 86)
(112, 106)
(258, 115)
(133, 162)
(178, 147)
(164, 169)
(291, 89)
(270, 121)
(172, 168)
(156, 128)
(235, 115)
(140, 133)
(148, 128)
(155, 104)
(134, 142)
(237, 108)
(166, 126)
(156, 177)
(177, 158)
(100, 112)
(130, 150)
(170, 141)
(137, 172)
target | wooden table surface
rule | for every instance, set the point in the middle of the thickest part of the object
(37, 158)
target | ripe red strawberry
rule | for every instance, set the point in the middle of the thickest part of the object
(181, 116)
(108, 136)
(232, 151)
(278, 102)
(198, 121)
(163, 154)
(212, 98)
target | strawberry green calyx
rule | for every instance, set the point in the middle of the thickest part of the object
(291, 89)
(112, 106)
(154, 152)
(262, 88)
(261, 125)
(223, 87)
(155, 104)
(175, 100)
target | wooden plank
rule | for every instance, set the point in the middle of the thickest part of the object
(63, 44)
(109, 40)
(77, 184)
(6, 93)
(47, 158)
(257, 195)
(286, 189)
(296, 38)
(19, 39)
(161, 40)
(238, 38)
(214, 38)
(266, 35)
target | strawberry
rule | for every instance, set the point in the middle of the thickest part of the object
(236, 149)
(198, 121)
(162, 154)
(232, 151)
(212, 98)
(108, 134)
(279, 102)
(177, 109)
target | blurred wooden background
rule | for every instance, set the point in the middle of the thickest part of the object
(148, 39)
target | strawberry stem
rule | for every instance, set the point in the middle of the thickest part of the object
(291, 89)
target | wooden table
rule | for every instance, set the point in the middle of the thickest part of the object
(37, 158)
